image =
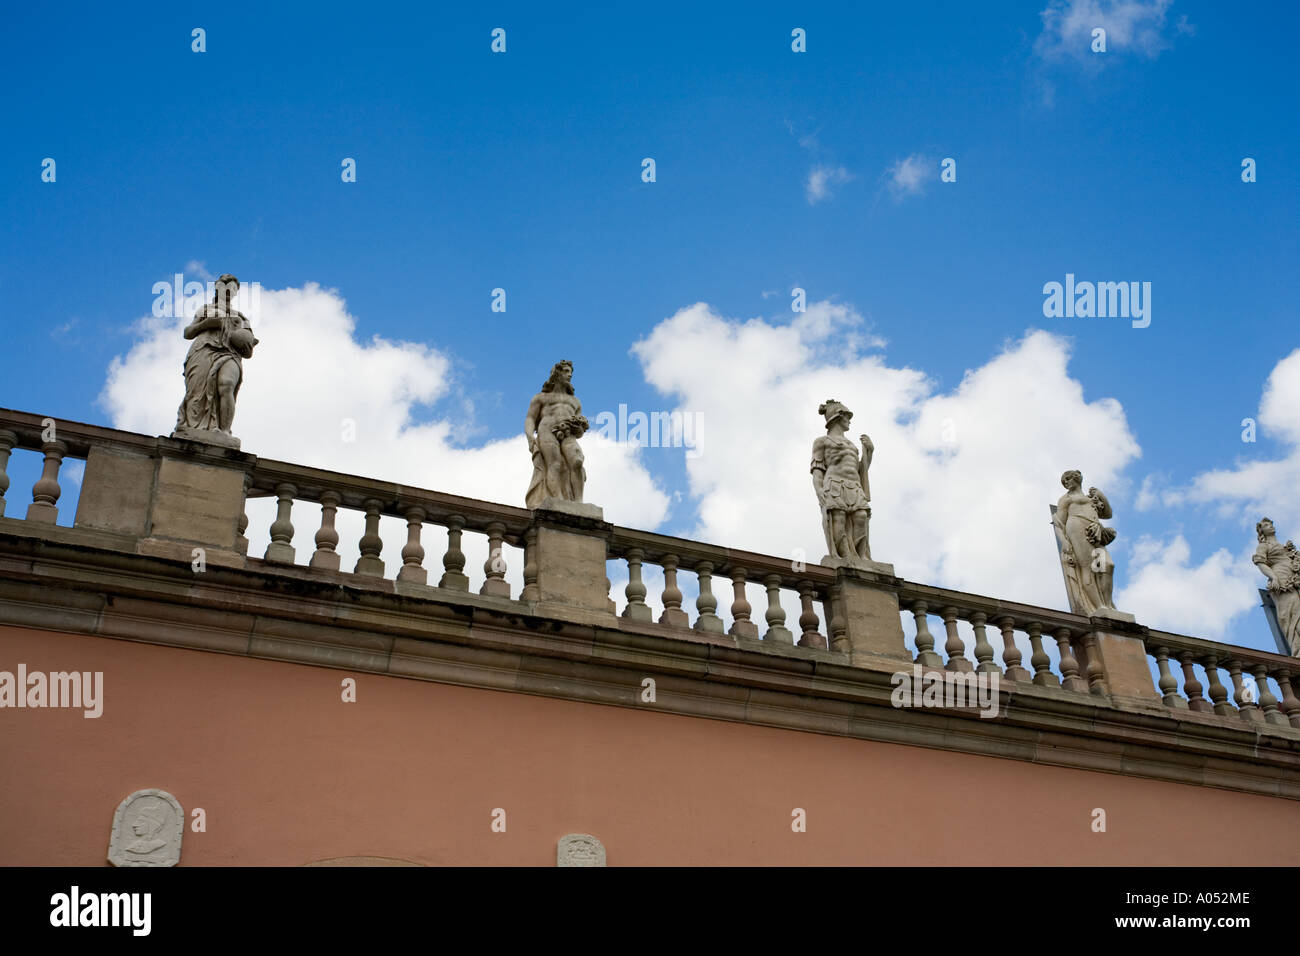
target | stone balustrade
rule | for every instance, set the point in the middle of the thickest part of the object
(293, 485)
(713, 568)
(1259, 683)
(168, 498)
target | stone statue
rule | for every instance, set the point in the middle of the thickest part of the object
(840, 480)
(1280, 563)
(1089, 570)
(553, 425)
(222, 339)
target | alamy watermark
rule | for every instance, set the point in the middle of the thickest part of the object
(1102, 300)
(83, 690)
(674, 429)
(183, 299)
(947, 689)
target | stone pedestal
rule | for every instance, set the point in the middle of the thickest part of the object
(868, 610)
(196, 503)
(571, 551)
(1123, 659)
(116, 491)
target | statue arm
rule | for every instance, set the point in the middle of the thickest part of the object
(818, 468)
(530, 422)
(202, 323)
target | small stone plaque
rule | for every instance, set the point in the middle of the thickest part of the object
(580, 849)
(147, 830)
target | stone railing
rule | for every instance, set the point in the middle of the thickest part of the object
(174, 499)
(1249, 674)
(288, 484)
(812, 583)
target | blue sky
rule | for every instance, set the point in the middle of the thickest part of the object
(522, 171)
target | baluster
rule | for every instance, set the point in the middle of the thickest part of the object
(495, 565)
(280, 550)
(808, 622)
(706, 603)
(672, 613)
(837, 621)
(1039, 660)
(412, 569)
(983, 649)
(1247, 706)
(954, 648)
(1218, 693)
(1070, 679)
(327, 538)
(453, 561)
(1011, 652)
(1168, 682)
(1095, 673)
(7, 442)
(1267, 702)
(637, 609)
(530, 591)
(46, 491)
(371, 544)
(1290, 705)
(241, 527)
(776, 629)
(741, 625)
(925, 654)
(1191, 686)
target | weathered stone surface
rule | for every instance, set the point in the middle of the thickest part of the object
(579, 849)
(116, 491)
(571, 568)
(198, 502)
(875, 628)
(147, 830)
(1128, 675)
(579, 509)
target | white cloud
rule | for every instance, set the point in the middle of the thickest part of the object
(311, 373)
(1164, 590)
(970, 513)
(908, 176)
(821, 179)
(196, 268)
(1137, 25)
(1257, 487)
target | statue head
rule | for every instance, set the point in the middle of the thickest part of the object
(226, 288)
(149, 821)
(1264, 528)
(1072, 479)
(561, 377)
(833, 410)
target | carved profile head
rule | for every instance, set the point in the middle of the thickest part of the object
(833, 410)
(561, 377)
(1072, 480)
(1264, 528)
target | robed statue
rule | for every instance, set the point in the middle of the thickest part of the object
(221, 338)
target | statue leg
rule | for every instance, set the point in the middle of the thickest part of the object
(554, 459)
(863, 546)
(839, 531)
(228, 377)
(573, 460)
